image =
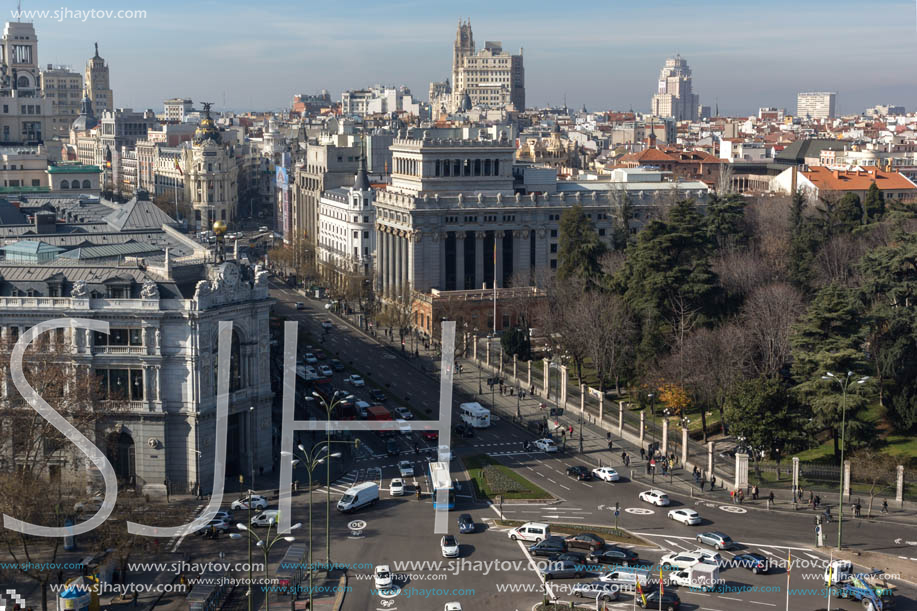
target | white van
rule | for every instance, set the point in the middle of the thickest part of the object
(359, 496)
(265, 518)
(627, 578)
(531, 531)
(475, 415)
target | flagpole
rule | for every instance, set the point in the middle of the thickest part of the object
(495, 284)
(789, 566)
(830, 577)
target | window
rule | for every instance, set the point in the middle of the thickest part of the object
(602, 232)
(36, 182)
(553, 248)
(553, 233)
(553, 263)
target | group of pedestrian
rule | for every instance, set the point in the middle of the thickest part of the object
(737, 496)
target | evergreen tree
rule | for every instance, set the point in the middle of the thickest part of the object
(874, 204)
(579, 248)
(725, 220)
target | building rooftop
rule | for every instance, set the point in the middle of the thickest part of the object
(73, 168)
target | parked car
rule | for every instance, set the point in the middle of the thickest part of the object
(613, 555)
(218, 524)
(689, 517)
(396, 487)
(606, 474)
(266, 518)
(580, 472)
(375, 394)
(716, 540)
(356, 380)
(263, 228)
(310, 358)
(681, 560)
(257, 502)
(655, 497)
(300, 305)
(325, 371)
(466, 524)
(453, 606)
(431, 435)
(449, 546)
(756, 563)
(338, 366)
(320, 354)
(382, 577)
(406, 468)
(463, 430)
(546, 445)
(579, 557)
(563, 570)
(587, 540)
(606, 592)
(549, 547)
(391, 447)
(404, 413)
(710, 556)
(670, 601)
(327, 325)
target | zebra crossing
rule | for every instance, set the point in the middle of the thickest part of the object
(340, 486)
(173, 543)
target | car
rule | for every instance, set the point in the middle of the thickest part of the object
(710, 557)
(605, 592)
(404, 413)
(578, 557)
(654, 497)
(320, 355)
(338, 366)
(453, 606)
(680, 560)
(376, 395)
(325, 371)
(310, 358)
(580, 472)
(329, 305)
(218, 524)
(396, 487)
(689, 517)
(300, 305)
(257, 502)
(550, 546)
(431, 435)
(756, 563)
(670, 601)
(263, 228)
(449, 547)
(613, 555)
(681, 579)
(586, 540)
(223, 515)
(355, 380)
(463, 430)
(606, 474)
(716, 540)
(382, 577)
(406, 468)
(563, 570)
(391, 448)
(466, 524)
(326, 324)
(545, 445)
(266, 518)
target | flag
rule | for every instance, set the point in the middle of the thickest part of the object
(661, 583)
(830, 574)
(789, 561)
(178, 167)
(640, 592)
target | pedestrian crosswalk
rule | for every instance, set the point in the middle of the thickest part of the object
(173, 543)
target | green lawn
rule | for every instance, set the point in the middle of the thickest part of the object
(475, 466)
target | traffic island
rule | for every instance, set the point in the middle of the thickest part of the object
(493, 481)
(609, 533)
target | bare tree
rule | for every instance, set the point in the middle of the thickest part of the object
(742, 270)
(608, 333)
(767, 319)
(834, 263)
(562, 325)
(877, 469)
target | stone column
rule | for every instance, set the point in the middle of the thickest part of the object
(563, 386)
(582, 399)
(388, 263)
(665, 436)
(684, 446)
(620, 418)
(846, 480)
(487, 353)
(395, 260)
(795, 473)
(642, 427)
(601, 406)
(475, 349)
(157, 383)
(899, 486)
(405, 267)
(515, 363)
(517, 254)
(547, 378)
(741, 482)
(380, 261)
(710, 445)
(460, 261)
(438, 243)
(498, 255)
(529, 383)
(479, 259)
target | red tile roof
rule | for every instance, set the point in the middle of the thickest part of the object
(857, 180)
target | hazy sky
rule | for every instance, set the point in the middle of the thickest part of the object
(605, 54)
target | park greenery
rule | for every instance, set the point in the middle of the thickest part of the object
(740, 306)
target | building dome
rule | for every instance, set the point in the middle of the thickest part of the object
(86, 120)
(466, 102)
(207, 130)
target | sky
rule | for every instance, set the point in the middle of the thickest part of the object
(604, 54)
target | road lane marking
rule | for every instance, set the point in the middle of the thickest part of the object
(754, 602)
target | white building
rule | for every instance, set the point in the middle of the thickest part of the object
(26, 115)
(379, 100)
(674, 97)
(176, 109)
(97, 83)
(213, 176)
(346, 240)
(64, 88)
(816, 105)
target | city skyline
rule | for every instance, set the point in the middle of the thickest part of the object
(293, 50)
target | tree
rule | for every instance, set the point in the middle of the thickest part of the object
(804, 242)
(873, 204)
(876, 469)
(762, 412)
(580, 248)
(607, 334)
(767, 319)
(725, 221)
(516, 342)
(674, 398)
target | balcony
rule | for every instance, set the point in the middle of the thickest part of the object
(119, 349)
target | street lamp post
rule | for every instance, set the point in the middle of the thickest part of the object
(844, 384)
(265, 544)
(251, 448)
(329, 407)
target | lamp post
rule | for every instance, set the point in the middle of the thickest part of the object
(265, 544)
(251, 439)
(329, 407)
(844, 384)
(310, 460)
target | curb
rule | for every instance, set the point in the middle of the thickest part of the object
(342, 587)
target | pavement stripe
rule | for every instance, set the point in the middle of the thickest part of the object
(814, 557)
(754, 602)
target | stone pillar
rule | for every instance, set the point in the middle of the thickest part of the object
(582, 399)
(710, 445)
(389, 263)
(741, 482)
(515, 363)
(405, 268)
(547, 378)
(563, 386)
(684, 446)
(411, 277)
(487, 353)
(642, 427)
(157, 383)
(517, 255)
(846, 480)
(620, 418)
(601, 406)
(479, 259)
(460, 261)
(396, 266)
(899, 486)
(665, 436)
(795, 473)
(498, 257)
(529, 383)
(439, 241)
(475, 349)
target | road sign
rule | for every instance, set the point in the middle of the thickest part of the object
(617, 513)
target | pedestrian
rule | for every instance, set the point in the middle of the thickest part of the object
(712, 481)
(732, 496)
(741, 496)
(754, 492)
(853, 509)
(885, 506)
(703, 480)
(770, 497)
(532, 391)
(642, 454)
(817, 501)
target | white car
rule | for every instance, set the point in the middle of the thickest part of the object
(404, 413)
(263, 228)
(406, 468)
(681, 578)
(325, 371)
(546, 445)
(223, 515)
(606, 474)
(266, 518)
(219, 524)
(396, 487)
(681, 560)
(355, 380)
(689, 517)
(454, 606)
(382, 576)
(310, 358)
(257, 502)
(709, 556)
(449, 546)
(655, 497)
(326, 324)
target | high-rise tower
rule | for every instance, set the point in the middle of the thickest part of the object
(97, 85)
(674, 98)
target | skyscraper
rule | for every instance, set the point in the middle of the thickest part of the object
(674, 98)
(816, 105)
(97, 85)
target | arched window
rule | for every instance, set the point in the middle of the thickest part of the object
(477, 167)
(23, 82)
(496, 167)
(64, 184)
(86, 184)
(487, 167)
(235, 363)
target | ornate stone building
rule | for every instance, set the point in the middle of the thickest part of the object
(213, 176)
(97, 83)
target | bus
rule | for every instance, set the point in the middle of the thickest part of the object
(440, 480)
(475, 415)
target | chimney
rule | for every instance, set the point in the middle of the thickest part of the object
(836, 174)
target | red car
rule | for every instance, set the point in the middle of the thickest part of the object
(431, 435)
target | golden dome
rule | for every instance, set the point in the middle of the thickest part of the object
(219, 227)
